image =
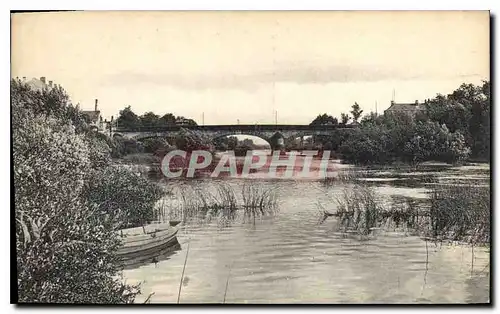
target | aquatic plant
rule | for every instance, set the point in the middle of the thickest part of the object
(452, 213)
(221, 202)
(460, 213)
(258, 200)
(358, 209)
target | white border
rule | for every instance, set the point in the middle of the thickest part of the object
(190, 5)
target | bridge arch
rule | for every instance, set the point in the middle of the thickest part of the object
(219, 136)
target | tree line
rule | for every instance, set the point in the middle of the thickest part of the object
(128, 119)
(451, 128)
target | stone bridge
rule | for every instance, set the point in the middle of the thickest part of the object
(263, 131)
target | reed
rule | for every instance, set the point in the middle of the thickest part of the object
(458, 213)
(223, 203)
(359, 210)
(343, 177)
(227, 284)
(182, 276)
(258, 200)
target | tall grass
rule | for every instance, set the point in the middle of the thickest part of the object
(453, 213)
(258, 200)
(460, 213)
(358, 209)
(222, 202)
(344, 176)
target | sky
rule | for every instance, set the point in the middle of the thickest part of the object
(230, 67)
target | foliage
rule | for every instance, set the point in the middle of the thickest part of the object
(356, 111)
(121, 146)
(156, 145)
(188, 141)
(400, 139)
(452, 128)
(452, 213)
(358, 209)
(64, 246)
(461, 213)
(185, 121)
(467, 109)
(149, 119)
(344, 118)
(133, 195)
(324, 119)
(367, 145)
(242, 149)
(66, 235)
(128, 119)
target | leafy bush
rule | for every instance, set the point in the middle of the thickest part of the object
(367, 145)
(404, 140)
(122, 146)
(188, 141)
(66, 235)
(133, 195)
(156, 145)
(64, 247)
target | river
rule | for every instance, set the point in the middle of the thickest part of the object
(290, 257)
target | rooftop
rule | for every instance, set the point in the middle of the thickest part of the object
(93, 115)
(40, 83)
(416, 106)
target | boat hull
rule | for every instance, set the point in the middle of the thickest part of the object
(148, 244)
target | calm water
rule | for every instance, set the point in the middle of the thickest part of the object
(291, 258)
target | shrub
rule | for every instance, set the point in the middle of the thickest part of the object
(188, 141)
(132, 195)
(155, 145)
(64, 248)
(123, 146)
(65, 245)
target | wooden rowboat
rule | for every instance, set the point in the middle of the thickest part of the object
(146, 244)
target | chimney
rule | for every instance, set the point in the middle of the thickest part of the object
(416, 102)
(50, 83)
(24, 78)
(95, 107)
(392, 102)
(42, 79)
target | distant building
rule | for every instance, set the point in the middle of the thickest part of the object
(354, 123)
(184, 121)
(95, 118)
(408, 108)
(39, 84)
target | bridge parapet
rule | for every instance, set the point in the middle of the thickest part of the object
(264, 131)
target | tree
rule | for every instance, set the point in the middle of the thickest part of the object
(167, 119)
(371, 118)
(344, 118)
(69, 202)
(324, 119)
(149, 119)
(184, 121)
(356, 112)
(155, 144)
(232, 142)
(128, 119)
(188, 141)
(65, 245)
